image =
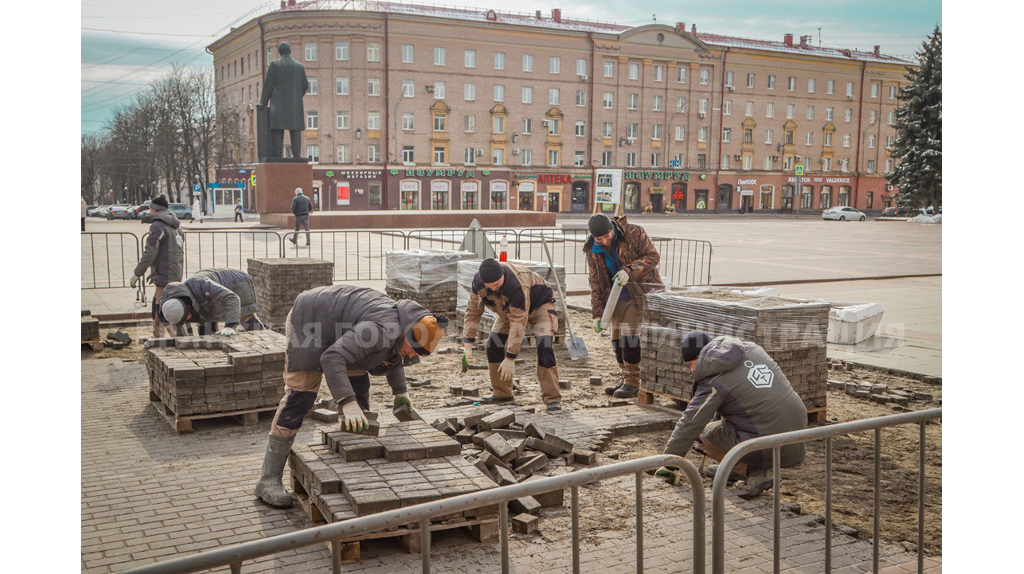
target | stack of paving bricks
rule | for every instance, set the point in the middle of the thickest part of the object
(213, 374)
(90, 327)
(279, 281)
(426, 276)
(793, 332)
(468, 269)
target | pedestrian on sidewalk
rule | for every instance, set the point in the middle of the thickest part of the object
(85, 208)
(238, 211)
(210, 296)
(164, 255)
(197, 209)
(301, 207)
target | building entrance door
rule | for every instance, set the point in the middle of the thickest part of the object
(554, 202)
(724, 198)
(657, 202)
(679, 196)
(580, 197)
(747, 204)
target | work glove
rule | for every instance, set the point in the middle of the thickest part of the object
(467, 351)
(597, 325)
(672, 475)
(622, 277)
(402, 399)
(353, 418)
(227, 332)
(135, 281)
(506, 369)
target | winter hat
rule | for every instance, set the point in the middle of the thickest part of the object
(298, 191)
(425, 335)
(490, 271)
(693, 343)
(159, 203)
(600, 224)
(173, 310)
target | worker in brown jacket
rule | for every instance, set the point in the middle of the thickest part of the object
(621, 252)
(520, 298)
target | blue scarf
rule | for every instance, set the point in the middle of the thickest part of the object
(611, 260)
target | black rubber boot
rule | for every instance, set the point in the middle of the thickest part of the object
(270, 489)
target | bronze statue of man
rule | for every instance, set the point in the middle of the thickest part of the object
(283, 89)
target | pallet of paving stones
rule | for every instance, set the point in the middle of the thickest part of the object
(205, 377)
(438, 299)
(91, 331)
(278, 282)
(427, 276)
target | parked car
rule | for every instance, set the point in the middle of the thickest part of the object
(102, 211)
(181, 210)
(843, 214)
(138, 211)
(91, 210)
(119, 211)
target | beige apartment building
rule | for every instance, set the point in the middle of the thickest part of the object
(420, 107)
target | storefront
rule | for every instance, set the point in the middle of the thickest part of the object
(409, 195)
(447, 189)
(347, 189)
(499, 194)
(440, 194)
(470, 194)
(679, 196)
(661, 191)
(527, 189)
(553, 192)
(221, 197)
(239, 181)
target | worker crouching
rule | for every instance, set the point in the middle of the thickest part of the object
(211, 296)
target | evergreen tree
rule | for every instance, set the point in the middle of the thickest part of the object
(918, 147)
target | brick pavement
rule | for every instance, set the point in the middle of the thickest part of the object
(148, 494)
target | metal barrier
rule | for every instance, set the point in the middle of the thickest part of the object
(357, 254)
(566, 247)
(108, 259)
(776, 442)
(685, 262)
(233, 556)
(232, 249)
(452, 238)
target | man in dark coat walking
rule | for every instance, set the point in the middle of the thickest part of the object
(283, 89)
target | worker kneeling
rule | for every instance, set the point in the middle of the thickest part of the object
(345, 334)
(211, 296)
(740, 382)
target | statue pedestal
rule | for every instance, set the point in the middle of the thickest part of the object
(276, 183)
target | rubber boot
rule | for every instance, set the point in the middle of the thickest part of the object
(270, 489)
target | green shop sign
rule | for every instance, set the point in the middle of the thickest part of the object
(682, 175)
(441, 172)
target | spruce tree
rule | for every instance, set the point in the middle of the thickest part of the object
(918, 147)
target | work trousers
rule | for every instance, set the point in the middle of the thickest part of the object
(544, 321)
(724, 438)
(625, 332)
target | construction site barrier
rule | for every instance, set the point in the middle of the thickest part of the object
(357, 254)
(108, 259)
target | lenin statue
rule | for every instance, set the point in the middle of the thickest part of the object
(283, 88)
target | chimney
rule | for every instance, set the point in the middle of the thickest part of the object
(878, 50)
(539, 17)
(291, 2)
(788, 40)
(803, 41)
(681, 26)
(282, 4)
(556, 15)
(693, 29)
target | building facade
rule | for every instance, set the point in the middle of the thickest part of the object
(417, 107)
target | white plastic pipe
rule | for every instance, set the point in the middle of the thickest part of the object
(609, 308)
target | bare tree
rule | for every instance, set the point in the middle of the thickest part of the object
(91, 145)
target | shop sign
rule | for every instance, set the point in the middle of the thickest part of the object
(680, 175)
(609, 186)
(499, 186)
(410, 186)
(439, 186)
(470, 186)
(746, 182)
(527, 186)
(358, 174)
(820, 179)
(554, 178)
(441, 172)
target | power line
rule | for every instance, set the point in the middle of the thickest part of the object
(128, 33)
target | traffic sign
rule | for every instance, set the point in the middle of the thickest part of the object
(799, 169)
(197, 188)
(253, 180)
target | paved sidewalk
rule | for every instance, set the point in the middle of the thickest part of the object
(149, 494)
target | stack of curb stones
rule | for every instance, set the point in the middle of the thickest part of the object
(279, 281)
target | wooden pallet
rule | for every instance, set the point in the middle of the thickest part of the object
(646, 397)
(94, 345)
(182, 424)
(481, 528)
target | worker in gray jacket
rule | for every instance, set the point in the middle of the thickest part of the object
(210, 296)
(343, 334)
(740, 382)
(164, 255)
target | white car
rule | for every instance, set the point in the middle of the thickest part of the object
(843, 214)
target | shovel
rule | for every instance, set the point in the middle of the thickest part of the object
(576, 346)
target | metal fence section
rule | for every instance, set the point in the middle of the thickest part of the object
(108, 259)
(776, 442)
(233, 556)
(685, 262)
(566, 247)
(232, 249)
(452, 238)
(357, 254)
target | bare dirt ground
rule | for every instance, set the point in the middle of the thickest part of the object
(607, 510)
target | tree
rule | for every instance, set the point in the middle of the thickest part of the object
(918, 148)
(91, 144)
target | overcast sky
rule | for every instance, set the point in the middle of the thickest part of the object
(126, 43)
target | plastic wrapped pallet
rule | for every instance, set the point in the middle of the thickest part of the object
(427, 276)
(852, 323)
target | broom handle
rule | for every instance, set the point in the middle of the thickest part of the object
(565, 304)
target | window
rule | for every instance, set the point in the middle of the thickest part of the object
(874, 89)
(470, 124)
(771, 82)
(341, 121)
(659, 73)
(748, 162)
(499, 60)
(789, 137)
(680, 133)
(581, 66)
(440, 122)
(527, 157)
(790, 111)
(607, 129)
(313, 153)
(826, 164)
(828, 139)
(767, 167)
(439, 155)
(408, 154)
(871, 166)
(407, 54)
(579, 159)
(792, 84)
(787, 163)
(726, 135)
(705, 76)
(341, 86)
(810, 112)
(703, 107)
(374, 193)
(678, 158)
(769, 110)
(656, 131)
(581, 98)
(632, 130)
(438, 90)
(828, 114)
(373, 121)
(889, 140)
(631, 159)
(469, 59)
(498, 125)
(811, 85)
(892, 92)
(469, 156)
(681, 75)
(408, 121)
(527, 95)
(831, 87)
(373, 52)
(748, 135)
(527, 126)
(408, 89)
(728, 79)
(702, 134)
(439, 56)
(702, 161)
(750, 80)
(314, 87)
(527, 63)
(341, 51)
(892, 118)
(341, 154)
(499, 93)
(554, 64)
(871, 141)
(657, 104)
(312, 120)
(809, 140)
(581, 129)
(553, 157)
(888, 166)
(373, 87)
(749, 111)
(553, 96)
(498, 156)
(609, 69)
(554, 127)
(849, 89)
(768, 135)
(806, 197)
(846, 140)
(634, 101)
(873, 117)
(609, 100)
(681, 104)
(725, 161)
(634, 71)
(655, 160)
(606, 158)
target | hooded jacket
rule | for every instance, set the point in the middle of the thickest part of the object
(741, 382)
(217, 295)
(521, 294)
(164, 251)
(342, 328)
(635, 253)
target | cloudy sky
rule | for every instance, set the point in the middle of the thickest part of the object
(127, 44)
